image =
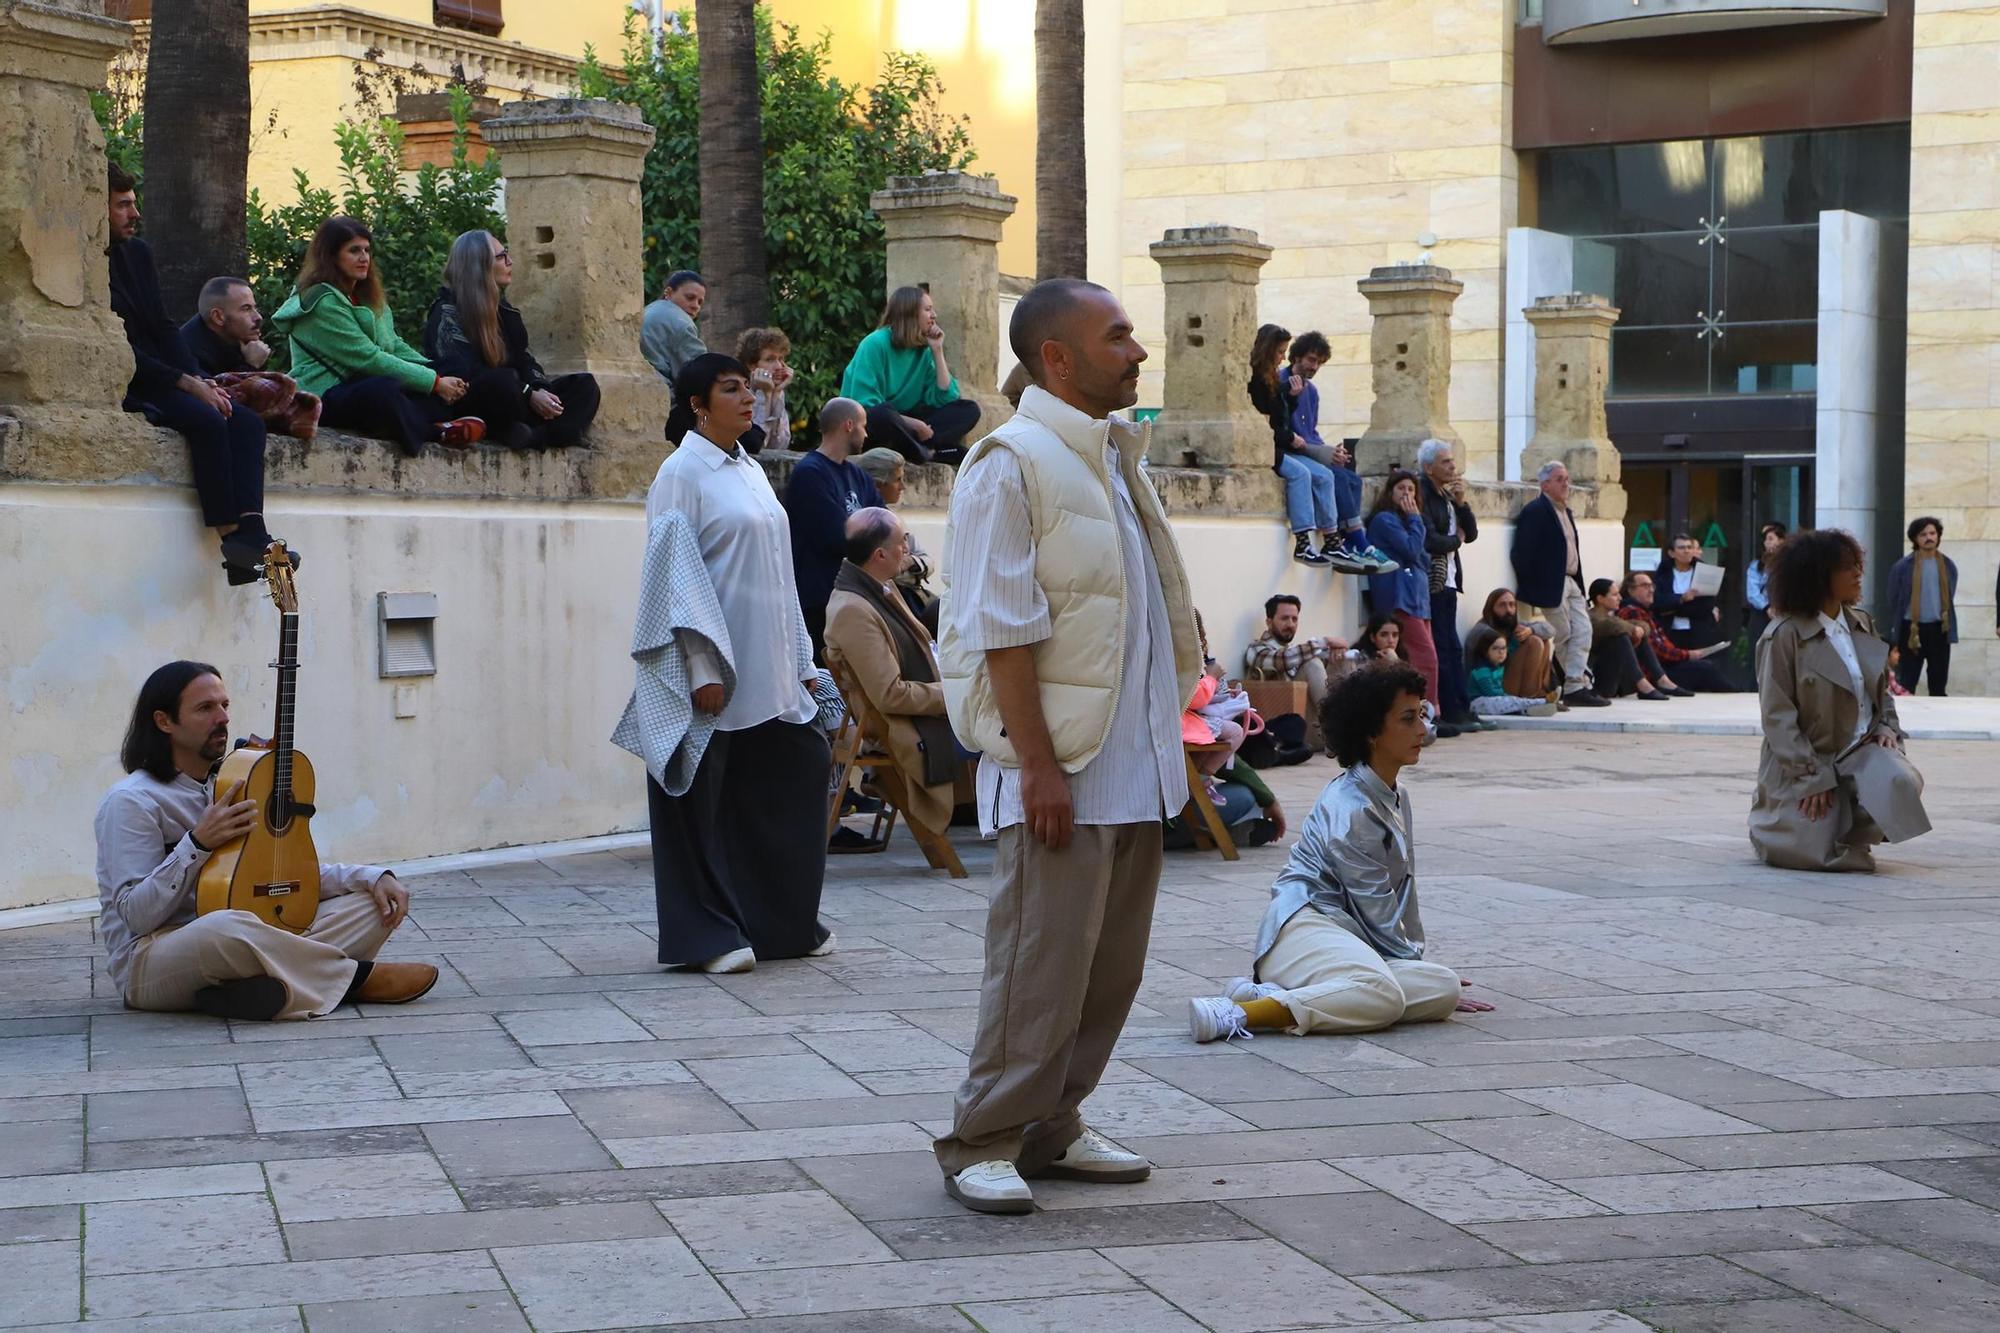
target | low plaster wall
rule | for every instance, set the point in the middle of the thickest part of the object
(536, 577)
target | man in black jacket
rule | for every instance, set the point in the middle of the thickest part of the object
(222, 333)
(226, 446)
(1448, 525)
(1548, 574)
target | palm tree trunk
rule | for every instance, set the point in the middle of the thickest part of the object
(197, 152)
(1062, 233)
(731, 171)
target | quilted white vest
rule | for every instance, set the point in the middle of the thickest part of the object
(1077, 564)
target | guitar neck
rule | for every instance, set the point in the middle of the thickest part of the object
(288, 674)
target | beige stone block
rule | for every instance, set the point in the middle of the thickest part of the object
(1966, 227)
(1942, 474)
(1325, 80)
(1475, 389)
(1954, 176)
(1159, 12)
(1482, 67)
(1950, 377)
(1928, 327)
(1366, 31)
(1480, 307)
(1470, 207)
(1965, 26)
(1941, 427)
(1950, 127)
(1470, 346)
(1952, 277)
(1172, 95)
(1445, 118)
(1471, 25)
(1157, 182)
(1954, 78)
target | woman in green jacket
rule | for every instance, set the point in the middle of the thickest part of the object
(899, 375)
(345, 349)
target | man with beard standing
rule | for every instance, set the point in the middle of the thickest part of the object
(1069, 648)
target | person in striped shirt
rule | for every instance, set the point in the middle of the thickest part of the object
(1280, 654)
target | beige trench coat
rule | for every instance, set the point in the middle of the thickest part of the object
(856, 636)
(1809, 714)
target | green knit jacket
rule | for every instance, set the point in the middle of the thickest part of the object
(335, 341)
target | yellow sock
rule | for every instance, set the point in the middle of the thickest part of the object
(1265, 1013)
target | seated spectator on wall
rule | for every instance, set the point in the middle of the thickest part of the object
(1397, 526)
(1280, 654)
(885, 468)
(1621, 659)
(225, 447)
(1488, 682)
(825, 490)
(1308, 483)
(764, 351)
(667, 335)
(1697, 675)
(345, 349)
(222, 335)
(899, 375)
(475, 333)
(1309, 351)
(888, 652)
(1528, 643)
(1690, 622)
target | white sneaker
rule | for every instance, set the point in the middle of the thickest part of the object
(736, 960)
(1212, 1018)
(1243, 990)
(1094, 1158)
(991, 1187)
(826, 946)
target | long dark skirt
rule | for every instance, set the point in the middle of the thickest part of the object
(738, 861)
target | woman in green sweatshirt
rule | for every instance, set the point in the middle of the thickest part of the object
(345, 349)
(899, 375)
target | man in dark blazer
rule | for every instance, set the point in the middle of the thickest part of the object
(1548, 575)
(1448, 525)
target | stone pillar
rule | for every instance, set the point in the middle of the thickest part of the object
(944, 236)
(1210, 274)
(1410, 349)
(1572, 371)
(572, 167)
(59, 341)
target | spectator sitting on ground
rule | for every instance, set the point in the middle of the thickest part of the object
(222, 335)
(345, 348)
(1621, 659)
(899, 374)
(1690, 621)
(667, 335)
(474, 332)
(1341, 948)
(825, 489)
(1308, 353)
(1382, 638)
(1488, 684)
(764, 351)
(1245, 803)
(1527, 644)
(885, 468)
(1696, 675)
(226, 448)
(1309, 499)
(871, 634)
(1279, 654)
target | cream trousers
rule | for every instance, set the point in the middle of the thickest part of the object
(1334, 982)
(317, 967)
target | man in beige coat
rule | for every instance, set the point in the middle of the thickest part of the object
(871, 633)
(1833, 779)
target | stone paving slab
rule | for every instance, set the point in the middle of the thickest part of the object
(1715, 1097)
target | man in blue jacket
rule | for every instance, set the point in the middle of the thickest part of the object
(1548, 574)
(826, 487)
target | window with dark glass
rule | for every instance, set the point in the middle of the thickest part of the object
(478, 15)
(1710, 248)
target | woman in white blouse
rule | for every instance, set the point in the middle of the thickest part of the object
(1833, 779)
(739, 858)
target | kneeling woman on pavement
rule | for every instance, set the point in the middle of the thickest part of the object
(1342, 946)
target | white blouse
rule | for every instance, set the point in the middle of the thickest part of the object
(746, 542)
(1842, 640)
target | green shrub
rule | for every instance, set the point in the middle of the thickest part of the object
(827, 146)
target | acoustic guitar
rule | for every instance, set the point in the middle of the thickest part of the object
(273, 870)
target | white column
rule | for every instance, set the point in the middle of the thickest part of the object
(1847, 473)
(1539, 263)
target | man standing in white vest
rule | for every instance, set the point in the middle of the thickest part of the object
(1068, 651)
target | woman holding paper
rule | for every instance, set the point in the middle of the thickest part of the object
(1684, 596)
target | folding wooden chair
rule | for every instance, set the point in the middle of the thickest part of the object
(1210, 831)
(862, 745)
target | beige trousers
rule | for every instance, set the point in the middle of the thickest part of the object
(169, 966)
(1334, 982)
(1569, 624)
(1065, 950)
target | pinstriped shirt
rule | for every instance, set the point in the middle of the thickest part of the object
(1141, 772)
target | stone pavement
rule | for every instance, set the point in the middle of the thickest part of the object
(1714, 1097)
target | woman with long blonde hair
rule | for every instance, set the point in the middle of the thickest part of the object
(474, 332)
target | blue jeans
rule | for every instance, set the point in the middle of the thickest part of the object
(1347, 498)
(1309, 488)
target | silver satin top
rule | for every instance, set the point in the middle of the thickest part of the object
(1355, 863)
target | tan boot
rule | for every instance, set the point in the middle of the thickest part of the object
(395, 983)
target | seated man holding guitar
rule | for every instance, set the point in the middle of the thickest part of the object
(178, 939)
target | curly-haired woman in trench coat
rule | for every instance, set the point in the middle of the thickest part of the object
(1833, 779)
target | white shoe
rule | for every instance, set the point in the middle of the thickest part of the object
(826, 946)
(1212, 1018)
(1094, 1158)
(736, 960)
(991, 1187)
(1242, 989)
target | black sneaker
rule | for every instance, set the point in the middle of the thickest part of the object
(1302, 551)
(1343, 558)
(1447, 731)
(1586, 699)
(847, 842)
